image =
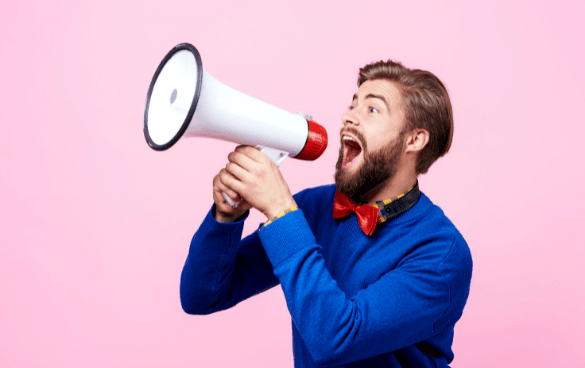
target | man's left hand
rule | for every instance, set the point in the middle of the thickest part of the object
(257, 179)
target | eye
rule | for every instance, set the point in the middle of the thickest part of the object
(350, 107)
(373, 110)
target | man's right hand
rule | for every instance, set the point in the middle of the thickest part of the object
(224, 212)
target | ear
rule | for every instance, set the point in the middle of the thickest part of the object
(416, 140)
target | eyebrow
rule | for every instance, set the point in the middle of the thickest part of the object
(371, 95)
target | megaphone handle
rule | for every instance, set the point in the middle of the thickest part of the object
(275, 155)
(229, 200)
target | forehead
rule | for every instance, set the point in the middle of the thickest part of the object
(381, 87)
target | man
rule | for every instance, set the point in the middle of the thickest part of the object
(373, 273)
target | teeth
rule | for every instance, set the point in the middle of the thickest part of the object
(346, 138)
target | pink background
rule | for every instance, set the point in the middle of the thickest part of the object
(95, 226)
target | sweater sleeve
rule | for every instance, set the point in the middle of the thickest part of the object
(222, 269)
(398, 310)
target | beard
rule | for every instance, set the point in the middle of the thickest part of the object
(377, 168)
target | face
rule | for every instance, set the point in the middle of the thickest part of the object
(371, 140)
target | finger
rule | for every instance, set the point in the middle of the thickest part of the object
(230, 181)
(224, 206)
(253, 153)
(242, 159)
(218, 188)
(246, 145)
(224, 211)
(221, 188)
(221, 203)
(238, 172)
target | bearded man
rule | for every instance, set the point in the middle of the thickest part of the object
(373, 273)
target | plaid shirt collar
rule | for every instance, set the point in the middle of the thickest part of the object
(390, 208)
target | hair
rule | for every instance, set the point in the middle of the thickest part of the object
(426, 106)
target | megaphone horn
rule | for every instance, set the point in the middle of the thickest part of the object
(183, 100)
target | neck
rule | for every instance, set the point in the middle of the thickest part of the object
(398, 184)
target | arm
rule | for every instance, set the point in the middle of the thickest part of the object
(221, 270)
(398, 310)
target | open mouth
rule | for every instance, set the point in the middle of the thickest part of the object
(351, 151)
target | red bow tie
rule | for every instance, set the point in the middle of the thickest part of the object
(367, 214)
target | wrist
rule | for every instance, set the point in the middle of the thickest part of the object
(274, 210)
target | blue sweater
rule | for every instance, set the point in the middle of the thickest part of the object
(389, 300)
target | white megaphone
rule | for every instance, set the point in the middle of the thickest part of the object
(185, 101)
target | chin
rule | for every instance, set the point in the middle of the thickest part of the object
(348, 181)
(352, 170)
(367, 171)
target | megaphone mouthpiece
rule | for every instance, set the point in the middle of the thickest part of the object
(316, 142)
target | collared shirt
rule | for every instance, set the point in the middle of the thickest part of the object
(390, 208)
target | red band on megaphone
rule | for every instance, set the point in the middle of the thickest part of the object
(316, 142)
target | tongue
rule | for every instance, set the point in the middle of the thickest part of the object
(353, 150)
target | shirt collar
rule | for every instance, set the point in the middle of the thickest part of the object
(391, 208)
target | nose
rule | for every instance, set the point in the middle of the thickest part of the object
(350, 117)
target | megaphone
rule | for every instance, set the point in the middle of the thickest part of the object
(185, 101)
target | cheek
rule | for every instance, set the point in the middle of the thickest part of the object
(380, 136)
(375, 140)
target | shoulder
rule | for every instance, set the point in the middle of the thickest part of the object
(316, 203)
(436, 240)
(315, 196)
(458, 251)
(454, 249)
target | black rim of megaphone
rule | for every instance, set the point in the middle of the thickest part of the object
(193, 50)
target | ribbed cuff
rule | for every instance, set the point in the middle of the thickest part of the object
(286, 236)
(288, 210)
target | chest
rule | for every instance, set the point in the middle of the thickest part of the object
(356, 260)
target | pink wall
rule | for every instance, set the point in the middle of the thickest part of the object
(95, 226)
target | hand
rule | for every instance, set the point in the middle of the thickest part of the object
(258, 181)
(224, 212)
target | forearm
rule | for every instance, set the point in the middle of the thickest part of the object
(221, 270)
